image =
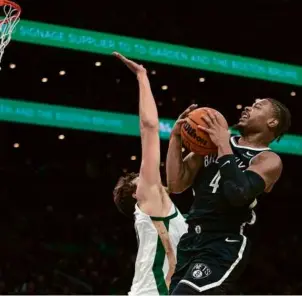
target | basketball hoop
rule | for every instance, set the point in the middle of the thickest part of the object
(8, 22)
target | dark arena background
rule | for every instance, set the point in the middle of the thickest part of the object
(59, 229)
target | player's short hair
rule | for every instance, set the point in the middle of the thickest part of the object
(123, 194)
(283, 115)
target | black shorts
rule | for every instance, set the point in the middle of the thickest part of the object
(209, 262)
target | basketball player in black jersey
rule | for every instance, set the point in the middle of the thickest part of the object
(213, 254)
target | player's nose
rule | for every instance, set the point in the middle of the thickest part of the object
(247, 108)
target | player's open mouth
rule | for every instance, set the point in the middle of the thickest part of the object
(244, 115)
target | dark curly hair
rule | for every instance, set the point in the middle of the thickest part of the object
(123, 194)
(283, 115)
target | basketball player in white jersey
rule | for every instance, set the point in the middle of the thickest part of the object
(158, 223)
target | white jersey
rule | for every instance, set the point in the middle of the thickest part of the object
(156, 256)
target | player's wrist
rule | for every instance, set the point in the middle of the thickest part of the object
(141, 75)
(224, 148)
(175, 135)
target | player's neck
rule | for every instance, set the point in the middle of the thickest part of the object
(253, 140)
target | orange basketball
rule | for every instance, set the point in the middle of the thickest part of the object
(196, 140)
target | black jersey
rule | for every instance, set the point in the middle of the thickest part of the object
(210, 206)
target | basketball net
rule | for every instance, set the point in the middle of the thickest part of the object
(8, 22)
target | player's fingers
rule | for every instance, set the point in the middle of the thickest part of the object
(130, 64)
(192, 107)
(188, 110)
(202, 128)
(220, 120)
(216, 118)
(207, 120)
(212, 117)
(181, 121)
(119, 56)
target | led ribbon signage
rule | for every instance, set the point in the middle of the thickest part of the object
(159, 52)
(103, 122)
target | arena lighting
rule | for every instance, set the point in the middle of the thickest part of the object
(104, 122)
(98, 64)
(133, 157)
(16, 145)
(62, 72)
(293, 94)
(201, 79)
(153, 72)
(44, 80)
(158, 52)
(12, 66)
(239, 106)
(61, 137)
(164, 87)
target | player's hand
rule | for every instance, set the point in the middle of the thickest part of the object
(134, 67)
(217, 131)
(182, 119)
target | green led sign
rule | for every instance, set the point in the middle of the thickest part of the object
(103, 122)
(159, 52)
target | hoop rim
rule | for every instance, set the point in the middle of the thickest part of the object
(15, 6)
(11, 3)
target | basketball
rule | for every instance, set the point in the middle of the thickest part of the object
(196, 140)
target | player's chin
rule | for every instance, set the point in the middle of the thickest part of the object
(242, 123)
(239, 125)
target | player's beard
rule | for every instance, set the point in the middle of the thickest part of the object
(238, 127)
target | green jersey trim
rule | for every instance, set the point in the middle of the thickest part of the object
(159, 262)
(165, 218)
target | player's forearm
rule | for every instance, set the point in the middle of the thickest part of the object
(147, 108)
(174, 164)
(240, 188)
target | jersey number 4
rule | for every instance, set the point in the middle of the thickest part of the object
(215, 182)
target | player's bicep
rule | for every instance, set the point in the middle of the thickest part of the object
(149, 170)
(269, 166)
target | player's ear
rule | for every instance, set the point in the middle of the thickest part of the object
(134, 195)
(272, 122)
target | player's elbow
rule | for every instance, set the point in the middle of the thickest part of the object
(150, 124)
(178, 181)
(176, 187)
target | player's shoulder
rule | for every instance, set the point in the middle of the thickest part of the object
(268, 156)
(155, 203)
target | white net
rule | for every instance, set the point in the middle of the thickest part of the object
(8, 22)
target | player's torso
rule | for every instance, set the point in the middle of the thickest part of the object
(156, 257)
(209, 203)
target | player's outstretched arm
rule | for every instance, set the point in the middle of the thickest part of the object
(149, 128)
(181, 172)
